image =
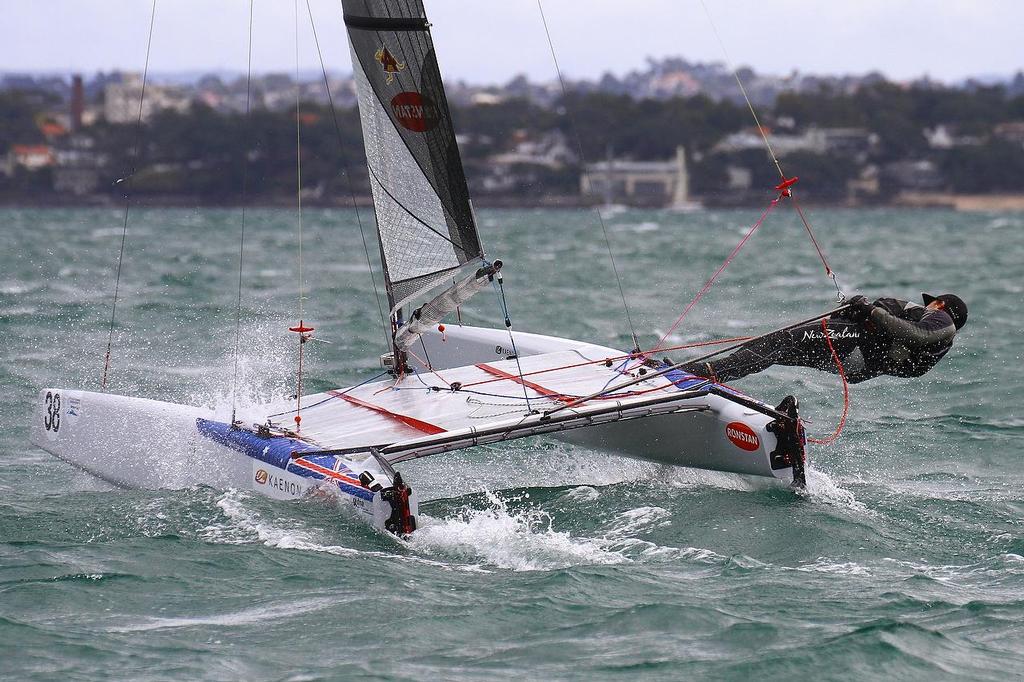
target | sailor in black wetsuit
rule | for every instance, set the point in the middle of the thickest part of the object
(889, 336)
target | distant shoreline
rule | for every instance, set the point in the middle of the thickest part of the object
(962, 202)
(938, 200)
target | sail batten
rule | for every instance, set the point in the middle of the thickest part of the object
(424, 219)
(386, 23)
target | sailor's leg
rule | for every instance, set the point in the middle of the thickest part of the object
(803, 346)
(755, 356)
(809, 348)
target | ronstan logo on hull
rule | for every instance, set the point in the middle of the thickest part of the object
(742, 436)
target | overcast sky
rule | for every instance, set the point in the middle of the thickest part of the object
(486, 42)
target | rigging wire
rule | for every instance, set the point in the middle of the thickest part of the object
(771, 152)
(302, 330)
(511, 337)
(743, 90)
(785, 191)
(128, 180)
(333, 396)
(583, 164)
(348, 178)
(245, 195)
(707, 285)
(298, 156)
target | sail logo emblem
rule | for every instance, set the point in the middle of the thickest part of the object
(742, 436)
(415, 111)
(261, 476)
(388, 62)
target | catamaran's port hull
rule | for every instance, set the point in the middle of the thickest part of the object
(141, 443)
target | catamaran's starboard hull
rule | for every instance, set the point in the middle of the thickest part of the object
(729, 436)
(141, 443)
(726, 437)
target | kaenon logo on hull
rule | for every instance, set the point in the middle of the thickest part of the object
(261, 476)
(742, 436)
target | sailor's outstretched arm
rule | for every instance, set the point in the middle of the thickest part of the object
(934, 327)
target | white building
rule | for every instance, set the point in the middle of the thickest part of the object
(121, 100)
(813, 140)
(662, 183)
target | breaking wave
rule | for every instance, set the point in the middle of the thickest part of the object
(528, 540)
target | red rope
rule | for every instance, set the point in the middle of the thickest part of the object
(698, 344)
(711, 281)
(846, 391)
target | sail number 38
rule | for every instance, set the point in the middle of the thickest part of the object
(51, 418)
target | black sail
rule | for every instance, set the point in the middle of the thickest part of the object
(424, 219)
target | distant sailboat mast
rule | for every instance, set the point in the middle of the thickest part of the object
(681, 192)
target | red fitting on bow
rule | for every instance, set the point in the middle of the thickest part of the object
(303, 331)
(783, 188)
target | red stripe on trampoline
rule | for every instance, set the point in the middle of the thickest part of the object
(418, 424)
(546, 392)
(329, 473)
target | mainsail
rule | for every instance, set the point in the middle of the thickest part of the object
(424, 218)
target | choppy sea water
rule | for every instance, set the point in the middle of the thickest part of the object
(535, 559)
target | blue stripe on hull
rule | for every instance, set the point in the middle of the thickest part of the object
(681, 379)
(684, 381)
(277, 451)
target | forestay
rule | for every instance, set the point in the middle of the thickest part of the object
(424, 219)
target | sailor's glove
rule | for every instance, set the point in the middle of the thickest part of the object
(859, 310)
(845, 313)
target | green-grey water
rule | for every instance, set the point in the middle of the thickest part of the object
(536, 559)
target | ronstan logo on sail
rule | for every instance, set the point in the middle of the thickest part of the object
(388, 62)
(415, 111)
(742, 436)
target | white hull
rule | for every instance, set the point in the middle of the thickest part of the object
(694, 440)
(151, 444)
(141, 443)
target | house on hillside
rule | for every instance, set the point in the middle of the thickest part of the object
(1011, 131)
(78, 166)
(851, 141)
(947, 136)
(532, 164)
(922, 175)
(121, 100)
(31, 157)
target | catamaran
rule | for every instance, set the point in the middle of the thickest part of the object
(449, 388)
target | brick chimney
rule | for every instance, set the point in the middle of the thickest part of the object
(77, 103)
